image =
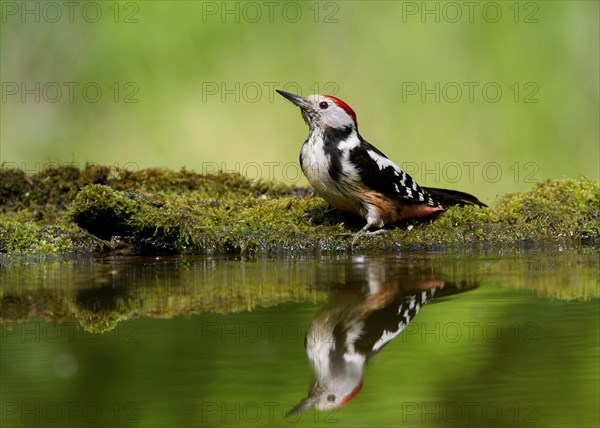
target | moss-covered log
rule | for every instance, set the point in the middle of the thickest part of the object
(66, 210)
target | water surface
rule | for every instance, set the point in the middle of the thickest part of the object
(186, 342)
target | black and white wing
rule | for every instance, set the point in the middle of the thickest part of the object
(385, 324)
(382, 175)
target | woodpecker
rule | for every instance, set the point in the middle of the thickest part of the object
(355, 324)
(354, 176)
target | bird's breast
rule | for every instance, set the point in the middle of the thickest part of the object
(316, 166)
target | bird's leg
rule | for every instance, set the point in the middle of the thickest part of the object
(364, 232)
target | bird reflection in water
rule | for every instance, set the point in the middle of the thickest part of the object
(358, 320)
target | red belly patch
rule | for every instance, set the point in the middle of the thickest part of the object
(410, 211)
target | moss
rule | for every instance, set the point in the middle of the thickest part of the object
(562, 209)
(158, 211)
(97, 296)
(18, 237)
(13, 183)
(48, 191)
(100, 309)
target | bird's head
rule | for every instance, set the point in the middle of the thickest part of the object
(330, 396)
(323, 111)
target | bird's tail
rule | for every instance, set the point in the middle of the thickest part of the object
(453, 197)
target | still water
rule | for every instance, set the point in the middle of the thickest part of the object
(429, 339)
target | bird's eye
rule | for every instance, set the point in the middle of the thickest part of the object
(331, 398)
(323, 105)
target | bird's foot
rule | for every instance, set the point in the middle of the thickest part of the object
(362, 233)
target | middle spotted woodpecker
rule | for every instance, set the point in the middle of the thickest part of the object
(354, 176)
(374, 305)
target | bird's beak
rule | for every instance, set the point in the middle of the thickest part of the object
(296, 99)
(305, 404)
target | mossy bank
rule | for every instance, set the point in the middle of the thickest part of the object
(66, 210)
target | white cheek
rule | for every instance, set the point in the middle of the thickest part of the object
(338, 119)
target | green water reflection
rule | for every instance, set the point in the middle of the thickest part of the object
(205, 341)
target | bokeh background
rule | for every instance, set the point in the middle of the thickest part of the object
(489, 97)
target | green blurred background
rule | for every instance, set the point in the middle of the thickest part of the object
(190, 83)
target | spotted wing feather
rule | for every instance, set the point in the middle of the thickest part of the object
(382, 175)
(385, 324)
